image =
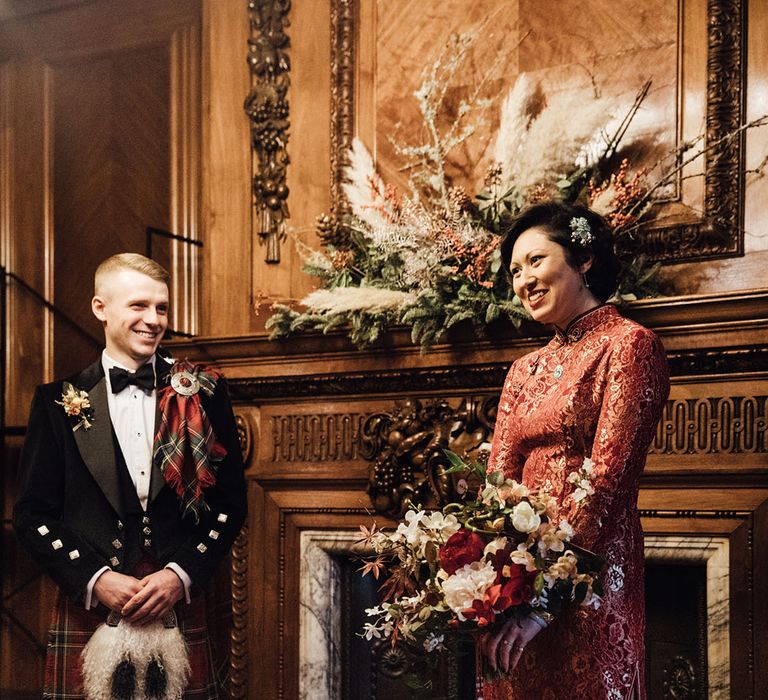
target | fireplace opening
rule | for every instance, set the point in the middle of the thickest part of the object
(676, 631)
(687, 626)
(373, 669)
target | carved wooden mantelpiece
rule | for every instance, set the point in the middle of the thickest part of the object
(304, 408)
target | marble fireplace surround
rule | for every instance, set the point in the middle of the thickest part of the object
(320, 600)
(713, 552)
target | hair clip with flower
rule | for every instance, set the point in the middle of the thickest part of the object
(581, 233)
(77, 405)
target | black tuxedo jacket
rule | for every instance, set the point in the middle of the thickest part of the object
(77, 509)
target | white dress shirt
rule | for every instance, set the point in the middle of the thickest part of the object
(133, 418)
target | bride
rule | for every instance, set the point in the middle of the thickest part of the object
(595, 390)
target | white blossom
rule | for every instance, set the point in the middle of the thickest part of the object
(442, 525)
(525, 518)
(522, 556)
(371, 630)
(434, 642)
(495, 545)
(411, 530)
(564, 568)
(469, 583)
(550, 539)
(567, 529)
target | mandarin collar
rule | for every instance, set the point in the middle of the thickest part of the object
(584, 323)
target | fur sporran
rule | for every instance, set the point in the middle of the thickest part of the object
(129, 662)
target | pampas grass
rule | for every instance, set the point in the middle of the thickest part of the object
(362, 185)
(570, 131)
(348, 299)
(315, 262)
(513, 127)
(555, 138)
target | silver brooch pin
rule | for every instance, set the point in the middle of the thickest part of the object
(185, 383)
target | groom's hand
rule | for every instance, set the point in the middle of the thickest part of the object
(114, 590)
(159, 593)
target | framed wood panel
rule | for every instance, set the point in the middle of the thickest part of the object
(693, 51)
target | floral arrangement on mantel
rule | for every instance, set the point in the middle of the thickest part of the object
(429, 259)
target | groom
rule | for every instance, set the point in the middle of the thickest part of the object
(114, 530)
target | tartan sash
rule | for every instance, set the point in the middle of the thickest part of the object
(186, 450)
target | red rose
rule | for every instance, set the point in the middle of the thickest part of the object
(463, 547)
(481, 611)
(517, 589)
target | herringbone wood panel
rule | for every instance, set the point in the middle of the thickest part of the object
(111, 174)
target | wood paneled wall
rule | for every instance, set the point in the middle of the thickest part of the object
(100, 121)
(116, 115)
(99, 124)
(111, 175)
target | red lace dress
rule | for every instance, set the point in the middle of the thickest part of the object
(596, 391)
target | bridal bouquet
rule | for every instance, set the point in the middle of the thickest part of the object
(474, 564)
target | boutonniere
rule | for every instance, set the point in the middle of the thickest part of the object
(77, 405)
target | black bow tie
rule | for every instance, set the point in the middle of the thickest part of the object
(144, 378)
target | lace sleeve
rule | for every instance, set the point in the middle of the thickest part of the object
(503, 455)
(636, 388)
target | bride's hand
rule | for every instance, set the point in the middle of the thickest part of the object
(504, 648)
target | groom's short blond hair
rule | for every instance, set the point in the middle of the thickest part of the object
(129, 261)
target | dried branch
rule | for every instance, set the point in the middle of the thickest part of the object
(669, 177)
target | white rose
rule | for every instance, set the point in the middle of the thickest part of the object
(525, 518)
(469, 583)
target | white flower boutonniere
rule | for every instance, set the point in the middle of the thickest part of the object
(77, 405)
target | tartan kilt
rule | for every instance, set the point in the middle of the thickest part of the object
(72, 626)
